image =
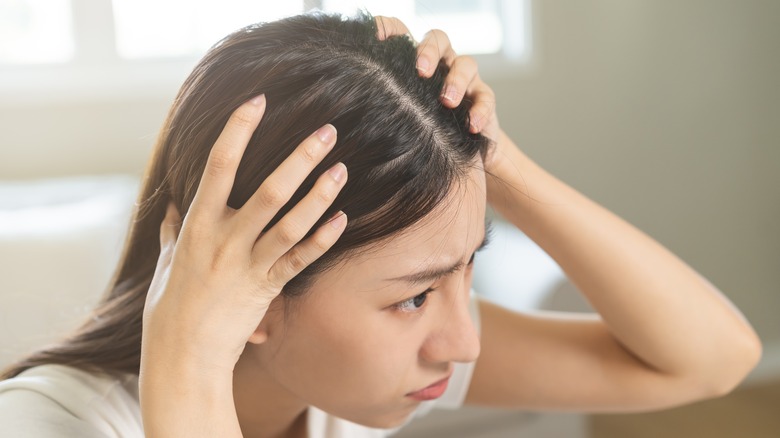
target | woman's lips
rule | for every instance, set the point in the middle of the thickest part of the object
(431, 392)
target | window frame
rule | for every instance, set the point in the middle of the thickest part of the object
(97, 73)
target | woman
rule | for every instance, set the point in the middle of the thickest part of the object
(332, 201)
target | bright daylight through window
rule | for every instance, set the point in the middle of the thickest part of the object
(43, 31)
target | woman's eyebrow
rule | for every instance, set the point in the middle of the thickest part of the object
(434, 273)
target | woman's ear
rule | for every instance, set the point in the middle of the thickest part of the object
(259, 336)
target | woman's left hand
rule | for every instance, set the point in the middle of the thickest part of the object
(463, 80)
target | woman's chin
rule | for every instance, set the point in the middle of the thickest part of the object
(390, 420)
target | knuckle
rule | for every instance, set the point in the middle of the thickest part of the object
(219, 161)
(466, 59)
(320, 244)
(271, 196)
(489, 104)
(243, 119)
(381, 24)
(479, 103)
(296, 262)
(434, 32)
(430, 52)
(390, 26)
(196, 232)
(481, 109)
(461, 79)
(398, 25)
(308, 152)
(289, 233)
(275, 280)
(467, 64)
(326, 195)
(429, 48)
(482, 97)
(441, 36)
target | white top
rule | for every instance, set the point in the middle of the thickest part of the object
(59, 401)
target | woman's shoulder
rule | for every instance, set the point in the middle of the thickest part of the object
(58, 400)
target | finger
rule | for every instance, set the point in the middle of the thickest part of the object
(308, 251)
(220, 171)
(462, 73)
(294, 226)
(389, 26)
(283, 182)
(483, 108)
(434, 46)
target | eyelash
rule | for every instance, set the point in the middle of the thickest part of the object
(402, 306)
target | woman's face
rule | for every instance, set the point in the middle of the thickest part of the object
(362, 339)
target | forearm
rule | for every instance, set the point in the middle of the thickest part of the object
(654, 304)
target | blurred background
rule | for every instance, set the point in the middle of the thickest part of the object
(667, 113)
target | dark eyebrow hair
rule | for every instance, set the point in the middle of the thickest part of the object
(438, 272)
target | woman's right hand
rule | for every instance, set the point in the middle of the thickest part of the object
(217, 274)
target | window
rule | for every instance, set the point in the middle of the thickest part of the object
(187, 27)
(35, 31)
(78, 48)
(459, 18)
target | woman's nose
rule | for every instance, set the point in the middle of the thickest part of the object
(455, 338)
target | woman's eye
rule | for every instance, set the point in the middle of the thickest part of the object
(413, 304)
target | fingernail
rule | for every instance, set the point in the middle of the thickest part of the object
(338, 221)
(326, 133)
(423, 64)
(475, 120)
(258, 100)
(449, 93)
(338, 172)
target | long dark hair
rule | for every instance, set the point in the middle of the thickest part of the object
(403, 149)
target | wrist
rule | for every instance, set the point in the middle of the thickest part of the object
(173, 352)
(521, 191)
(186, 339)
(507, 173)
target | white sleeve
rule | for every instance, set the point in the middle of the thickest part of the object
(29, 414)
(56, 401)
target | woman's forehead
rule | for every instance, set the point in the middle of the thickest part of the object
(448, 234)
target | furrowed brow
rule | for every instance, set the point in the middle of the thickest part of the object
(430, 274)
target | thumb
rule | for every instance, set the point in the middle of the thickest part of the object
(169, 233)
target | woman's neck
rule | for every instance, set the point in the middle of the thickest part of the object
(264, 408)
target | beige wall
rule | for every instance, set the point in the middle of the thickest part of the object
(666, 112)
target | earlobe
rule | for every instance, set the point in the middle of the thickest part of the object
(259, 336)
(265, 327)
(261, 333)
